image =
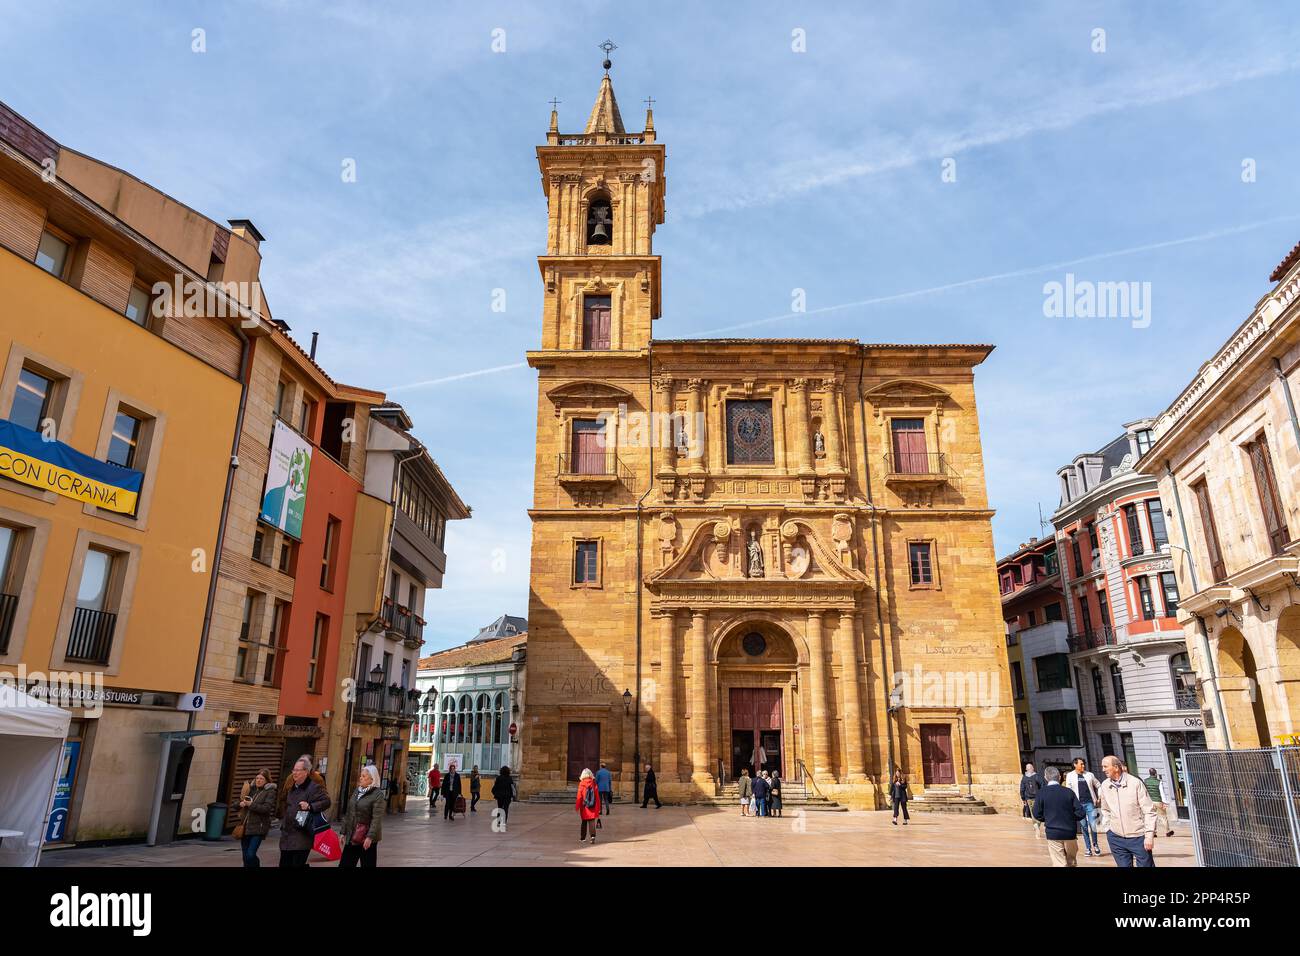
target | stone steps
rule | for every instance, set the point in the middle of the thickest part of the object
(948, 801)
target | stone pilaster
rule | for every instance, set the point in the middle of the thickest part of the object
(700, 722)
(847, 646)
(670, 662)
(822, 709)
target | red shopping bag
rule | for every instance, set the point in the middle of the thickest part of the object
(327, 844)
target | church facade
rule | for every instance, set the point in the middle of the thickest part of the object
(746, 553)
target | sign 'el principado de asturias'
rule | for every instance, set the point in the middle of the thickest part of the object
(27, 457)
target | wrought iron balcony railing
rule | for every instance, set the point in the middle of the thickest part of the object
(8, 609)
(916, 464)
(592, 465)
(91, 638)
(1088, 640)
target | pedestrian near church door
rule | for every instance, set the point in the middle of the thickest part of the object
(936, 755)
(584, 749)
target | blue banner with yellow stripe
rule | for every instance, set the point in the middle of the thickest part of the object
(26, 457)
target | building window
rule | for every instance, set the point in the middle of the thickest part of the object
(1098, 695)
(1022, 721)
(304, 416)
(275, 642)
(1053, 671)
(1169, 585)
(52, 254)
(588, 451)
(1061, 728)
(1078, 558)
(1144, 595)
(1017, 681)
(245, 656)
(1215, 553)
(1049, 563)
(137, 305)
(596, 311)
(1032, 618)
(1184, 678)
(282, 400)
(124, 440)
(1107, 746)
(586, 564)
(1143, 441)
(1052, 612)
(12, 541)
(918, 561)
(319, 641)
(1261, 463)
(1092, 537)
(1117, 687)
(288, 556)
(1156, 515)
(32, 400)
(1134, 530)
(1104, 606)
(93, 620)
(329, 554)
(1085, 614)
(908, 439)
(749, 432)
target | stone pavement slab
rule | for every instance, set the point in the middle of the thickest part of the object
(547, 835)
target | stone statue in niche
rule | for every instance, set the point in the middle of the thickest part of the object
(819, 443)
(755, 556)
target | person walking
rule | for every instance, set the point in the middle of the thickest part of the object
(258, 804)
(435, 785)
(1059, 810)
(306, 796)
(1160, 797)
(475, 788)
(899, 794)
(746, 788)
(1030, 784)
(605, 787)
(760, 795)
(503, 792)
(282, 795)
(651, 789)
(1081, 782)
(774, 797)
(450, 791)
(1132, 816)
(363, 823)
(587, 805)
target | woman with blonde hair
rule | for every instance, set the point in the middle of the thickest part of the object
(258, 803)
(363, 823)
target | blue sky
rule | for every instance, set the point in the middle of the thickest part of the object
(818, 170)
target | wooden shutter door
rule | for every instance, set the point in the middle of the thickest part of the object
(596, 322)
(909, 447)
(1262, 464)
(588, 455)
(1217, 567)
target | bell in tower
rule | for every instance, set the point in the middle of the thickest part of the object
(600, 221)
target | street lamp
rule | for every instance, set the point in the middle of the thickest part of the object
(376, 674)
(627, 701)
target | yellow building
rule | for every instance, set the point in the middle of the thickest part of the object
(1227, 455)
(103, 598)
(746, 552)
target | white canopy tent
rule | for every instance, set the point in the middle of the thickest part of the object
(32, 733)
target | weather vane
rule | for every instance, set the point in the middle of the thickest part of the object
(609, 47)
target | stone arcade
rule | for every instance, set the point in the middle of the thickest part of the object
(759, 586)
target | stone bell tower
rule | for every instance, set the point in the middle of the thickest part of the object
(605, 195)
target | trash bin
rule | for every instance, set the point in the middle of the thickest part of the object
(216, 821)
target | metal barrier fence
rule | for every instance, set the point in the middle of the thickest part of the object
(1245, 806)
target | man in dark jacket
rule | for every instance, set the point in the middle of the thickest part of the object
(651, 789)
(1030, 784)
(450, 791)
(304, 794)
(1060, 810)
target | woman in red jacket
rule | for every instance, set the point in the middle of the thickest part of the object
(588, 805)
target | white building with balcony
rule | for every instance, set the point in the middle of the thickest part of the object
(471, 705)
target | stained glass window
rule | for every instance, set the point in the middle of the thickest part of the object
(749, 433)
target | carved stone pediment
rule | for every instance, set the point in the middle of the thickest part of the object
(588, 394)
(906, 391)
(715, 552)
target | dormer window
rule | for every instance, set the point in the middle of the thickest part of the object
(600, 221)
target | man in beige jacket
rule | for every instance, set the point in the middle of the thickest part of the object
(1132, 816)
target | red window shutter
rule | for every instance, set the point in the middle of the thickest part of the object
(596, 322)
(588, 456)
(910, 456)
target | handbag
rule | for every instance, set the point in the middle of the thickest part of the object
(359, 834)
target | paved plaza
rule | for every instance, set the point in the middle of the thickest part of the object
(547, 835)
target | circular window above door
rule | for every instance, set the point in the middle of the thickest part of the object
(754, 644)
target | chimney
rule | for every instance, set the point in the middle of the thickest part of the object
(246, 229)
(312, 353)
